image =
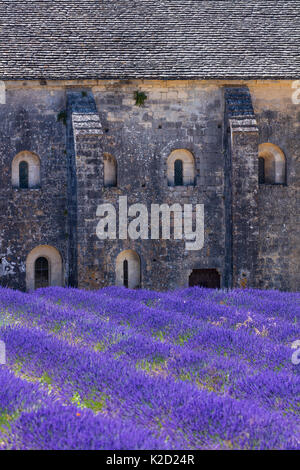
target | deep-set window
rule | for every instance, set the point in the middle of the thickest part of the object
(181, 169)
(271, 165)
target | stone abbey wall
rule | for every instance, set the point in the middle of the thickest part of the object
(251, 230)
(141, 140)
(278, 120)
(31, 217)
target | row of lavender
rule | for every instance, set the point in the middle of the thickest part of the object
(31, 418)
(189, 369)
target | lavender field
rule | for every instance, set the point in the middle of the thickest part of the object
(122, 369)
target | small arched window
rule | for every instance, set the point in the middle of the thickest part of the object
(110, 170)
(128, 269)
(26, 170)
(178, 173)
(23, 175)
(271, 165)
(181, 168)
(41, 273)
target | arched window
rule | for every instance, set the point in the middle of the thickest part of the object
(26, 170)
(43, 267)
(23, 175)
(41, 273)
(128, 269)
(181, 168)
(272, 164)
(110, 170)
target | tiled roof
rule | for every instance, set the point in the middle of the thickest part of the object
(166, 39)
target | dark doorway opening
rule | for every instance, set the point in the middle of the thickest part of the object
(41, 273)
(209, 278)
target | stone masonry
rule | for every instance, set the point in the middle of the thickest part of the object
(251, 230)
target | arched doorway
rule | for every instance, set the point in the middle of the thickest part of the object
(209, 278)
(43, 268)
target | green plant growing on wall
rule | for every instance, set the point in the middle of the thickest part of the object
(62, 116)
(140, 98)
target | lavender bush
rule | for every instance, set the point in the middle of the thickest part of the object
(121, 369)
